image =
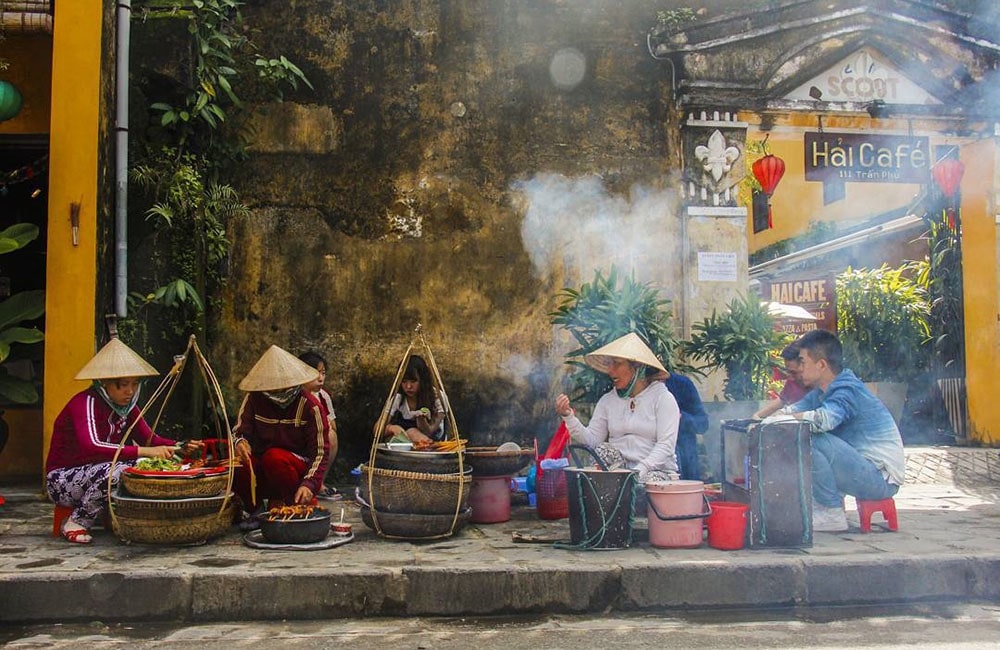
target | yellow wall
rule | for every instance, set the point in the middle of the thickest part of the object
(71, 270)
(980, 186)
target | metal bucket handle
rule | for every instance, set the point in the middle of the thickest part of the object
(701, 515)
(597, 459)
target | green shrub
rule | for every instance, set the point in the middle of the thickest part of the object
(882, 321)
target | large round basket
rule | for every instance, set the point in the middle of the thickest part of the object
(430, 462)
(174, 487)
(140, 508)
(159, 530)
(487, 461)
(414, 492)
(410, 526)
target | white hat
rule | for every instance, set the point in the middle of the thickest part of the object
(629, 347)
(116, 360)
(277, 369)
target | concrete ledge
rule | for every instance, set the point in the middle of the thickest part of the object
(104, 596)
(302, 594)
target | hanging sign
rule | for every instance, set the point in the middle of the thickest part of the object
(865, 158)
(815, 295)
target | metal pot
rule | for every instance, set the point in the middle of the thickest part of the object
(296, 531)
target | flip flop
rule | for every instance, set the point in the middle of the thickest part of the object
(77, 536)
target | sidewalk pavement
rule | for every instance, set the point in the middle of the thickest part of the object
(947, 548)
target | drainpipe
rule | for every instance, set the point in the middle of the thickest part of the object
(124, 18)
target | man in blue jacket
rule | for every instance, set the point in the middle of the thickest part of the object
(856, 446)
(694, 420)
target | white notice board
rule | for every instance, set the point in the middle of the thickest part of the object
(716, 267)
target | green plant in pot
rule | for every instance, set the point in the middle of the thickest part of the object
(742, 341)
(15, 311)
(605, 309)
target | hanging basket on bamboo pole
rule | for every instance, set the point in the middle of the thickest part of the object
(413, 523)
(157, 523)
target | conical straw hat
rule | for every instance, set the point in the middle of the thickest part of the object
(116, 360)
(629, 347)
(277, 369)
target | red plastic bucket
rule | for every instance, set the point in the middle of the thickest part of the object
(489, 498)
(551, 489)
(727, 525)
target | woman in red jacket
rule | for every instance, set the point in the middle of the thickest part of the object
(282, 435)
(87, 433)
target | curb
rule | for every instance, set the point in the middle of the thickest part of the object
(298, 593)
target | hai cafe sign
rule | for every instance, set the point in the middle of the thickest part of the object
(865, 158)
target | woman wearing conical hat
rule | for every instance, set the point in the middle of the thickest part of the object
(86, 435)
(634, 425)
(282, 433)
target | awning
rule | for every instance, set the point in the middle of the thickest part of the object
(894, 227)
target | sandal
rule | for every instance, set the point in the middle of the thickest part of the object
(77, 535)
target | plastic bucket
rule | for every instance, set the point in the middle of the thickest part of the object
(489, 498)
(551, 491)
(600, 507)
(676, 510)
(727, 525)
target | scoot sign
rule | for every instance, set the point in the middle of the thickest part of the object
(864, 158)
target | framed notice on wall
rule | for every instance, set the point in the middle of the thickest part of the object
(716, 267)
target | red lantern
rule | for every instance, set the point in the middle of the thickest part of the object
(947, 174)
(768, 172)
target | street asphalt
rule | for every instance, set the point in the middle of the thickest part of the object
(947, 548)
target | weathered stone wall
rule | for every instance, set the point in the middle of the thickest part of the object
(457, 164)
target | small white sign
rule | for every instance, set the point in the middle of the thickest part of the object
(717, 267)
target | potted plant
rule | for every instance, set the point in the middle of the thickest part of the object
(14, 312)
(741, 341)
(882, 322)
(603, 310)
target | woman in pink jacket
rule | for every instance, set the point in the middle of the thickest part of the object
(88, 431)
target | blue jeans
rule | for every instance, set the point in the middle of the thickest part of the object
(839, 469)
(687, 457)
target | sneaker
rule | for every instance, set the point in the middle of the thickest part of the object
(828, 520)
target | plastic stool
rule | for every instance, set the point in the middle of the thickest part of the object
(867, 508)
(60, 515)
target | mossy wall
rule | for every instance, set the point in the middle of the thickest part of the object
(457, 164)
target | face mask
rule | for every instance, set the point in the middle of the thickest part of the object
(625, 392)
(120, 411)
(283, 397)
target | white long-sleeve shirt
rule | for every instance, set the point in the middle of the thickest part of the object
(643, 428)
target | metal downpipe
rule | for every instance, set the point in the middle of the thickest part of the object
(124, 19)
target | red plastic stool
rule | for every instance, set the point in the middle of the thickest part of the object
(867, 508)
(60, 515)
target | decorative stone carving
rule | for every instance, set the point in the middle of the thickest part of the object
(716, 159)
(714, 146)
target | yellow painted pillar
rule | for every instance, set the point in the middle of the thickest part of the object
(980, 252)
(71, 271)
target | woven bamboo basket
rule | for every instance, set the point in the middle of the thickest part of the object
(418, 461)
(172, 509)
(159, 530)
(176, 487)
(410, 526)
(419, 493)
